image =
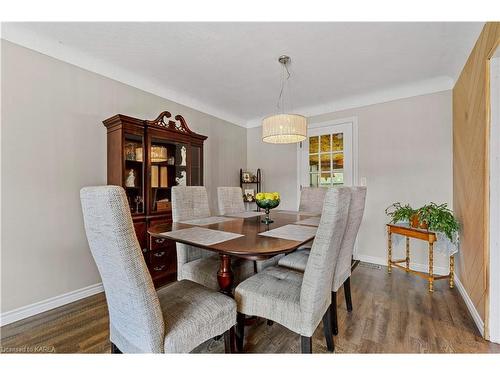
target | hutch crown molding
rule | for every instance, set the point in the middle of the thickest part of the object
(147, 158)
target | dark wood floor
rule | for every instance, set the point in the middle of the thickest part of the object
(392, 314)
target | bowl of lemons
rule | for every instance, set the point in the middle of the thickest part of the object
(267, 201)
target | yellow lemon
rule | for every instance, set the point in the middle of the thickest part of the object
(259, 196)
(269, 196)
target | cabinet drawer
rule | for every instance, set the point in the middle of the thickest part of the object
(164, 219)
(162, 260)
(158, 256)
(160, 243)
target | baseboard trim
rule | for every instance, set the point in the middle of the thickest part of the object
(470, 306)
(49, 304)
(414, 266)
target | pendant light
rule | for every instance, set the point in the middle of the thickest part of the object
(284, 127)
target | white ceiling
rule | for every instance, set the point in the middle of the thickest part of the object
(230, 70)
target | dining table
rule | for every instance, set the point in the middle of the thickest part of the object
(251, 244)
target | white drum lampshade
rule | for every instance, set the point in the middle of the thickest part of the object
(284, 128)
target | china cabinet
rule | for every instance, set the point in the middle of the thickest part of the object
(147, 158)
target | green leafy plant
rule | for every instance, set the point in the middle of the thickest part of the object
(399, 213)
(437, 217)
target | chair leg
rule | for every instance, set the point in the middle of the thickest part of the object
(114, 349)
(333, 312)
(347, 292)
(306, 344)
(229, 341)
(327, 329)
(240, 331)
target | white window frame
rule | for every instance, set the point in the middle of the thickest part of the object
(341, 121)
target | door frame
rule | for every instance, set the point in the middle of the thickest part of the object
(493, 304)
(353, 120)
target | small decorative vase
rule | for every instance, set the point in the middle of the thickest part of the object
(267, 201)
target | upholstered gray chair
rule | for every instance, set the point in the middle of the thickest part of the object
(176, 318)
(230, 201)
(295, 300)
(311, 199)
(342, 276)
(193, 263)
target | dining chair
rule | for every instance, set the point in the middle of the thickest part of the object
(194, 263)
(174, 319)
(311, 199)
(299, 301)
(230, 201)
(342, 275)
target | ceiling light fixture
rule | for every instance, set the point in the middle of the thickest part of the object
(284, 127)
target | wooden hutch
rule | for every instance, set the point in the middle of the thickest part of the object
(147, 158)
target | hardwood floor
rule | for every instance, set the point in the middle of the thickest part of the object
(392, 314)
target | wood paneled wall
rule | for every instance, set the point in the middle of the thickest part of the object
(471, 126)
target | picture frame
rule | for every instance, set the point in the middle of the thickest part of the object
(249, 195)
(246, 177)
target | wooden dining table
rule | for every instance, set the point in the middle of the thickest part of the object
(250, 245)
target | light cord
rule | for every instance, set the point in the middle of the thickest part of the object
(281, 98)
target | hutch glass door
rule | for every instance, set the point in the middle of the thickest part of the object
(196, 166)
(168, 167)
(134, 172)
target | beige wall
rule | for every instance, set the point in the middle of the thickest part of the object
(471, 126)
(53, 143)
(405, 153)
(278, 166)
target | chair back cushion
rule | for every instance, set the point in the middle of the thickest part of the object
(189, 202)
(136, 321)
(315, 295)
(356, 209)
(230, 200)
(311, 199)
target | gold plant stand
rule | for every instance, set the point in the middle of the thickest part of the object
(420, 234)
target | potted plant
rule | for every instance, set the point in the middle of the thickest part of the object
(399, 213)
(439, 218)
(434, 217)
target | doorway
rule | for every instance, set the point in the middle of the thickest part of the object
(494, 204)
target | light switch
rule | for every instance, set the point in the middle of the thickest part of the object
(363, 181)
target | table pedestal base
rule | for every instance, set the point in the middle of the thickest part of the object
(225, 275)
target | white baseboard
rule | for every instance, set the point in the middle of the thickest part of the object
(49, 304)
(414, 266)
(470, 306)
(438, 271)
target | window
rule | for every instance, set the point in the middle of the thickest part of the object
(326, 160)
